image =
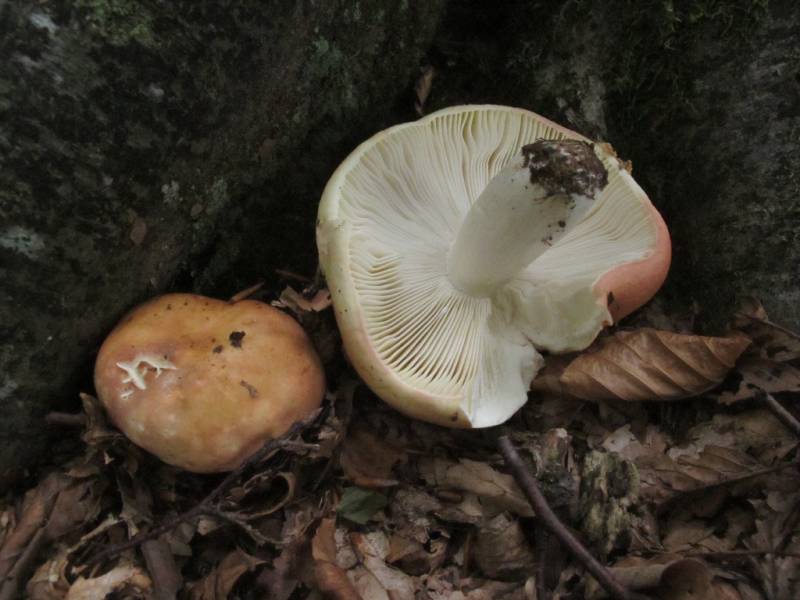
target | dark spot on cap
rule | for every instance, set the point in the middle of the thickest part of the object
(562, 223)
(250, 389)
(565, 167)
(610, 299)
(217, 349)
(454, 417)
(236, 338)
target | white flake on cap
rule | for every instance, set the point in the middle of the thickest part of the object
(136, 376)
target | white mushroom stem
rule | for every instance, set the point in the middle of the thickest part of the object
(527, 207)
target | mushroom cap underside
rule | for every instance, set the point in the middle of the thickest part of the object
(387, 220)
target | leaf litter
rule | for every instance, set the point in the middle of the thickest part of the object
(655, 447)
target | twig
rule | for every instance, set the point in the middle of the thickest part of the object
(542, 538)
(741, 554)
(548, 518)
(784, 415)
(11, 584)
(292, 275)
(163, 571)
(670, 502)
(65, 419)
(246, 293)
(207, 505)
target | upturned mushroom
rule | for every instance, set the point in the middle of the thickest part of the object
(202, 383)
(459, 247)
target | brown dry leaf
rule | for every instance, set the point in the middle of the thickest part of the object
(298, 303)
(373, 548)
(415, 558)
(686, 579)
(279, 582)
(777, 527)
(123, 579)
(163, 570)
(669, 575)
(8, 521)
(367, 460)
(757, 432)
(501, 549)
(263, 494)
(37, 508)
(666, 474)
(138, 231)
(496, 490)
(331, 578)
(49, 582)
(78, 504)
(220, 582)
(770, 340)
(447, 584)
(646, 364)
(759, 375)
(422, 88)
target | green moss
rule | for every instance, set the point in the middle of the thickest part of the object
(120, 22)
(609, 490)
(654, 35)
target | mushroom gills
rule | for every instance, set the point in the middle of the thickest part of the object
(527, 207)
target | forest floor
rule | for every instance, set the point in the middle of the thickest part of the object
(670, 457)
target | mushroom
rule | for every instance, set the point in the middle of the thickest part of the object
(202, 383)
(459, 247)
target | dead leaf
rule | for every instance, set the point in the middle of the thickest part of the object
(670, 576)
(76, 505)
(298, 303)
(331, 578)
(279, 582)
(501, 549)
(422, 88)
(777, 527)
(263, 494)
(122, 579)
(694, 467)
(646, 364)
(49, 582)
(164, 573)
(761, 375)
(686, 579)
(37, 508)
(138, 231)
(372, 549)
(220, 582)
(770, 341)
(367, 460)
(496, 490)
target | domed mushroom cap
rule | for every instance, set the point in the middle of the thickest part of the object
(202, 383)
(458, 246)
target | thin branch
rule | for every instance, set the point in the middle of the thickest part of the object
(24, 564)
(670, 502)
(206, 506)
(246, 293)
(548, 518)
(784, 415)
(65, 419)
(741, 554)
(542, 539)
(292, 275)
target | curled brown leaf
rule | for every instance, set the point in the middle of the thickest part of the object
(646, 364)
(331, 579)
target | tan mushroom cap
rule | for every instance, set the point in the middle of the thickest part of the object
(458, 355)
(202, 383)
